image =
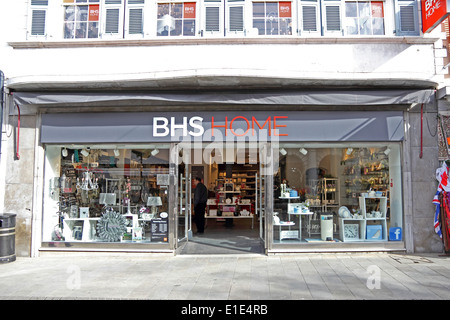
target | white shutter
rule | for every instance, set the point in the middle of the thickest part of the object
(136, 21)
(332, 18)
(212, 19)
(38, 22)
(112, 21)
(236, 18)
(309, 21)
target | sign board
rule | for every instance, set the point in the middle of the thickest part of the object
(159, 230)
(433, 13)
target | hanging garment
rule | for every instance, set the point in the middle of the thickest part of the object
(442, 175)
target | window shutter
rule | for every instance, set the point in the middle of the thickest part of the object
(236, 18)
(309, 18)
(112, 21)
(407, 23)
(212, 19)
(38, 23)
(135, 24)
(333, 18)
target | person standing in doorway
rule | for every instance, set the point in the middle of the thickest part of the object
(200, 199)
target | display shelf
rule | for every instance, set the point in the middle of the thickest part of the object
(87, 229)
(374, 211)
(352, 229)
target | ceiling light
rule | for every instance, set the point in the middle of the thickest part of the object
(155, 152)
(303, 151)
(64, 152)
(283, 151)
(116, 152)
(84, 152)
(387, 151)
(349, 151)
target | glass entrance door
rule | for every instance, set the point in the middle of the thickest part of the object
(265, 200)
(184, 196)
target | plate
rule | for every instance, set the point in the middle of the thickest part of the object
(344, 212)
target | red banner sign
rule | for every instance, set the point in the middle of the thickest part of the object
(189, 10)
(285, 9)
(433, 13)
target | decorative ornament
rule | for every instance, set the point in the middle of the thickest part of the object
(111, 226)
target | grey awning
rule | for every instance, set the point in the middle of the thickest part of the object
(249, 97)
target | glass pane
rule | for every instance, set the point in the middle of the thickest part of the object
(272, 9)
(258, 9)
(163, 9)
(259, 24)
(351, 9)
(93, 30)
(81, 30)
(272, 26)
(351, 25)
(178, 28)
(378, 26)
(285, 26)
(69, 13)
(69, 30)
(82, 13)
(189, 27)
(177, 10)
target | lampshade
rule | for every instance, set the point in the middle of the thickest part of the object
(154, 201)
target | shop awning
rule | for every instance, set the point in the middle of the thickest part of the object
(248, 97)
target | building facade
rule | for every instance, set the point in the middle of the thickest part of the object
(310, 122)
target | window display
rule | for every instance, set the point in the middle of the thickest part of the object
(337, 194)
(106, 194)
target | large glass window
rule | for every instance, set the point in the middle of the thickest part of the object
(81, 19)
(272, 18)
(176, 19)
(337, 194)
(106, 194)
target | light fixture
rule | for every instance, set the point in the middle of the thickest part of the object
(87, 182)
(84, 152)
(283, 151)
(64, 152)
(349, 151)
(116, 152)
(155, 152)
(303, 151)
(387, 151)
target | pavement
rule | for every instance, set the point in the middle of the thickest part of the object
(226, 277)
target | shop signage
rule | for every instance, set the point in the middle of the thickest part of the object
(433, 13)
(193, 126)
(204, 126)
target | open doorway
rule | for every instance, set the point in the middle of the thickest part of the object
(232, 213)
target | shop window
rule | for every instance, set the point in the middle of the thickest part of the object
(272, 18)
(364, 18)
(176, 19)
(104, 194)
(337, 194)
(38, 18)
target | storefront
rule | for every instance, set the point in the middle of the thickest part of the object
(321, 171)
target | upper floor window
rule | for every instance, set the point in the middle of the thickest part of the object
(38, 17)
(364, 18)
(272, 18)
(176, 19)
(81, 19)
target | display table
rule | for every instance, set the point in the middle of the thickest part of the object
(300, 214)
(231, 217)
(286, 234)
